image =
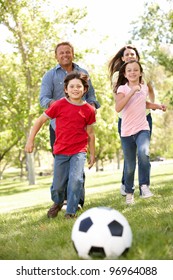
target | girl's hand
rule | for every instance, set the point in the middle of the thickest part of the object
(136, 88)
(162, 107)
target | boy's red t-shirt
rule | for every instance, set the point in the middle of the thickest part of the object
(71, 122)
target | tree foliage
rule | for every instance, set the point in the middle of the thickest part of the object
(154, 29)
(107, 138)
(34, 29)
(33, 36)
(34, 32)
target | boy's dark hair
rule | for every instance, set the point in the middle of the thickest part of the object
(122, 80)
(77, 75)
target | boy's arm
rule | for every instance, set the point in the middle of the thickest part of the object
(91, 145)
(36, 127)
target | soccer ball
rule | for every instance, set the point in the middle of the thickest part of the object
(101, 232)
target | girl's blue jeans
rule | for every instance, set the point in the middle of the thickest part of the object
(150, 122)
(137, 144)
(68, 173)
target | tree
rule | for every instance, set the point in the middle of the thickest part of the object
(154, 29)
(33, 35)
(107, 138)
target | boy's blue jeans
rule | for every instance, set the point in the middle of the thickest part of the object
(68, 173)
(132, 145)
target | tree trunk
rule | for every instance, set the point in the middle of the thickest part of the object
(31, 168)
(97, 165)
(118, 159)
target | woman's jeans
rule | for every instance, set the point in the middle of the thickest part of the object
(68, 173)
(137, 144)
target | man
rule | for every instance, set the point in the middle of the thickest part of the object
(52, 87)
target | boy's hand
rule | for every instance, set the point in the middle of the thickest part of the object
(91, 161)
(29, 147)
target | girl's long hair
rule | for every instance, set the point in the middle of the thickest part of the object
(116, 62)
(122, 80)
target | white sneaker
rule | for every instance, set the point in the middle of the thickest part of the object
(64, 207)
(129, 198)
(145, 192)
(122, 190)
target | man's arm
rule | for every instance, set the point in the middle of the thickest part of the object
(46, 91)
(90, 96)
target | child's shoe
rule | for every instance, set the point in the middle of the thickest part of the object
(129, 198)
(122, 190)
(145, 192)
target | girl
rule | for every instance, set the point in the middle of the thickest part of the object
(74, 130)
(130, 97)
(126, 53)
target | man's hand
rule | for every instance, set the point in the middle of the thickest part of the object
(92, 104)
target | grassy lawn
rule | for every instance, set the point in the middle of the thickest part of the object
(27, 234)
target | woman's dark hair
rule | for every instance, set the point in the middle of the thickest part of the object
(122, 80)
(116, 62)
(77, 75)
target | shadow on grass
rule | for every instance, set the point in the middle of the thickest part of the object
(22, 187)
(17, 187)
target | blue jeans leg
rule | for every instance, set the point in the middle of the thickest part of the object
(150, 122)
(149, 119)
(60, 178)
(143, 143)
(138, 143)
(75, 182)
(119, 131)
(129, 150)
(68, 173)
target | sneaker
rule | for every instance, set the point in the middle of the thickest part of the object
(70, 216)
(54, 209)
(64, 207)
(122, 190)
(145, 192)
(79, 208)
(129, 198)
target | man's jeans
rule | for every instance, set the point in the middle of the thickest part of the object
(68, 173)
(138, 143)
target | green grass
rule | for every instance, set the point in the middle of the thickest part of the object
(27, 234)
